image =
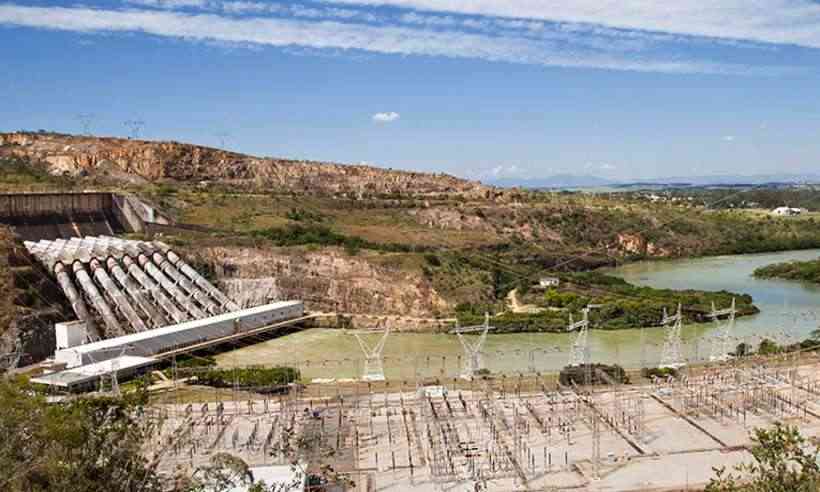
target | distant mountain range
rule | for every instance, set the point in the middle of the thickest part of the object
(588, 181)
(556, 181)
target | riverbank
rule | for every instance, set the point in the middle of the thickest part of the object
(322, 353)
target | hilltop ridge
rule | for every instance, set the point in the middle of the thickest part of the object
(154, 161)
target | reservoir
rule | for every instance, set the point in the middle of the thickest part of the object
(789, 310)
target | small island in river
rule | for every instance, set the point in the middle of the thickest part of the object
(805, 271)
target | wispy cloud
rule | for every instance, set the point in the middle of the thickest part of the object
(728, 138)
(295, 26)
(770, 21)
(386, 117)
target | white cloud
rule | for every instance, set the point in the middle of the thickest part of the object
(386, 117)
(170, 4)
(503, 171)
(729, 138)
(770, 21)
(326, 34)
(607, 167)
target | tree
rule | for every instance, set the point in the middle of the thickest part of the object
(783, 462)
(226, 472)
(743, 349)
(768, 347)
(83, 444)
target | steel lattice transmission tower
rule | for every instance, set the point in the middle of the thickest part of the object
(472, 361)
(671, 356)
(373, 369)
(578, 352)
(85, 120)
(135, 126)
(722, 343)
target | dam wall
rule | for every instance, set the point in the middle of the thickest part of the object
(50, 216)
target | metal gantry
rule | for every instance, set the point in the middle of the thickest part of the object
(721, 345)
(472, 361)
(671, 356)
(578, 349)
(373, 368)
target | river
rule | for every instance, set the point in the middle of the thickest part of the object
(787, 309)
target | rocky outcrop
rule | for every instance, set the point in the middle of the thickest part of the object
(329, 280)
(154, 161)
(450, 218)
(635, 244)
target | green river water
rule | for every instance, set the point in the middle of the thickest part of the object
(321, 353)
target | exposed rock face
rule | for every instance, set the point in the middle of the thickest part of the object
(327, 281)
(638, 245)
(632, 243)
(75, 155)
(503, 219)
(450, 218)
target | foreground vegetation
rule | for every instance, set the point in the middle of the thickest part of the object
(100, 443)
(805, 271)
(783, 461)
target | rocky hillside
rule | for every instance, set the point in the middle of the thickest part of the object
(156, 161)
(329, 280)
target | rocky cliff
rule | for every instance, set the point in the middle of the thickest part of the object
(155, 161)
(328, 280)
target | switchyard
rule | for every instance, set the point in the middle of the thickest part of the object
(135, 303)
(527, 433)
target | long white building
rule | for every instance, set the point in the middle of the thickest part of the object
(186, 334)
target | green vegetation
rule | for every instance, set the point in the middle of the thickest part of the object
(83, 444)
(19, 175)
(783, 462)
(7, 307)
(586, 374)
(313, 234)
(260, 379)
(770, 347)
(658, 372)
(96, 444)
(621, 305)
(805, 271)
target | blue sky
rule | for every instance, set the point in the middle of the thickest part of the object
(476, 88)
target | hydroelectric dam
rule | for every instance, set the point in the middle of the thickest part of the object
(127, 303)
